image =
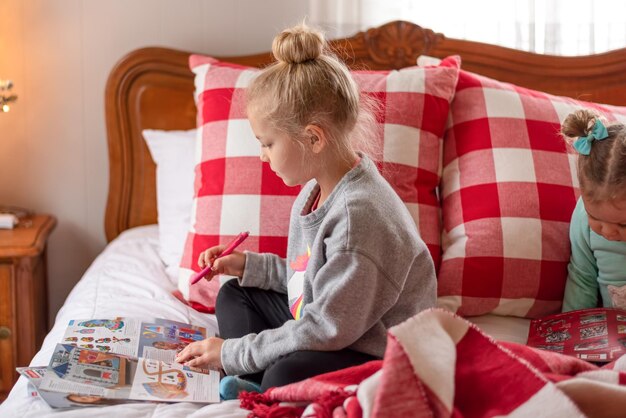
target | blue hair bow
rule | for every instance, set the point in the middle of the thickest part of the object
(598, 132)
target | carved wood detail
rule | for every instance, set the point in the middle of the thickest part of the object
(398, 44)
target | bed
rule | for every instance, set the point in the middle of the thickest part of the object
(152, 88)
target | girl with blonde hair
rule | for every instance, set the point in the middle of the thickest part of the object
(355, 263)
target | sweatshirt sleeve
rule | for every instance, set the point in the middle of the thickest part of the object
(266, 271)
(345, 307)
(581, 288)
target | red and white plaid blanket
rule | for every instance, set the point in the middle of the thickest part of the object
(439, 365)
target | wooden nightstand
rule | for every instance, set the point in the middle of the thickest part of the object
(23, 295)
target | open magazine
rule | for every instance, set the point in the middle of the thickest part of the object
(118, 377)
(105, 361)
(596, 334)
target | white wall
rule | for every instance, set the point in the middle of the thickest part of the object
(53, 155)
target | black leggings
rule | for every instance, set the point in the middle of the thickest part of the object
(244, 310)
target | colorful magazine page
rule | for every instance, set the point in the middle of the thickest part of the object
(113, 376)
(597, 335)
(35, 376)
(162, 339)
(160, 381)
(157, 339)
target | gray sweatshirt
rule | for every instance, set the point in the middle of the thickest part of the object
(359, 264)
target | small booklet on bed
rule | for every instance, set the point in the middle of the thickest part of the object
(35, 376)
(596, 334)
(107, 361)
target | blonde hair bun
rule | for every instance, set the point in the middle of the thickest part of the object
(298, 44)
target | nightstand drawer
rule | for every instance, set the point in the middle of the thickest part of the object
(7, 328)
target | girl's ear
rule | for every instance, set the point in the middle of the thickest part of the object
(316, 138)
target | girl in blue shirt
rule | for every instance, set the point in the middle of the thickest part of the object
(598, 229)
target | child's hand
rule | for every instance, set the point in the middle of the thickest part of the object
(205, 354)
(231, 265)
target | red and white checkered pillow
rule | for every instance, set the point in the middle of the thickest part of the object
(235, 192)
(509, 187)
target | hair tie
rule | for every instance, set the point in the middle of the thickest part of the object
(598, 132)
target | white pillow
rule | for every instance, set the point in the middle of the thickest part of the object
(174, 155)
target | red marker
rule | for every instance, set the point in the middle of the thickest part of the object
(229, 249)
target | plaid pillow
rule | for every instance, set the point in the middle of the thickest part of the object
(509, 187)
(234, 191)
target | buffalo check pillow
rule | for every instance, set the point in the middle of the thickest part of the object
(509, 187)
(235, 192)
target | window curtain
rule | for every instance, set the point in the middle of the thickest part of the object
(554, 27)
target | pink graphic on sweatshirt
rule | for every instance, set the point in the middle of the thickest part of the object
(301, 261)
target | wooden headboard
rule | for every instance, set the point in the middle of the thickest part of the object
(153, 88)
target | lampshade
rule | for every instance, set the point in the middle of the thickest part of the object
(5, 95)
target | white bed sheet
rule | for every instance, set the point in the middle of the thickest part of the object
(127, 279)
